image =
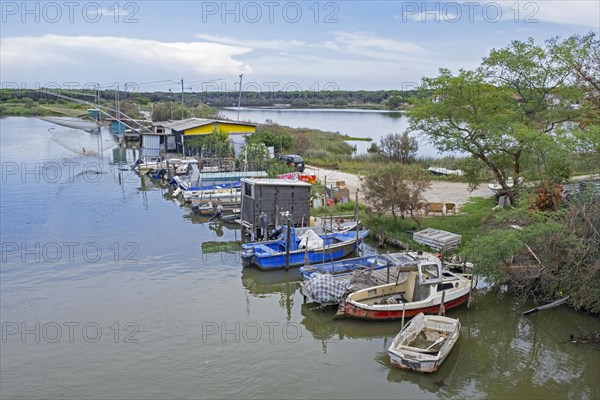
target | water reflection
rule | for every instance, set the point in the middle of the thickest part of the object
(320, 323)
(393, 115)
(431, 383)
(260, 283)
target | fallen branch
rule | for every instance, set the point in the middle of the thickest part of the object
(547, 306)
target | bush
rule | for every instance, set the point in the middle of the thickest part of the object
(562, 249)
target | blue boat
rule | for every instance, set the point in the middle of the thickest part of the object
(226, 185)
(344, 267)
(306, 249)
(347, 266)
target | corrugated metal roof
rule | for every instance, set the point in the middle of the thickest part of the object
(191, 123)
(188, 123)
(276, 182)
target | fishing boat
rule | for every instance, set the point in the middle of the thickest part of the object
(322, 282)
(183, 186)
(222, 196)
(223, 179)
(424, 343)
(445, 171)
(307, 248)
(348, 266)
(200, 191)
(210, 208)
(319, 229)
(510, 183)
(422, 289)
(175, 165)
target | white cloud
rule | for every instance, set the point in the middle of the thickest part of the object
(584, 13)
(578, 12)
(371, 46)
(256, 44)
(364, 44)
(116, 53)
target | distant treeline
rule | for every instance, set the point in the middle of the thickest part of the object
(378, 99)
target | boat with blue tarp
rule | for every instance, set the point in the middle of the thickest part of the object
(348, 266)
(307, 248)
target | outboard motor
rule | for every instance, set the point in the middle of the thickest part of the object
(137, 163)
(275, 233)
(159, 174)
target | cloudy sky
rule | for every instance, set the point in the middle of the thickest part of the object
(309, 45)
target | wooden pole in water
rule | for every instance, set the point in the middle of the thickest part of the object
(440, 312)
(356, 219)
(403, 312)
(472, 276)
(287, 245)
(326, 206)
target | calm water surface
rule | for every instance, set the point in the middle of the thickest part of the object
(110, 289)
(356, 123)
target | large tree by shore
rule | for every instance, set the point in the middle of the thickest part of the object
(513, 103)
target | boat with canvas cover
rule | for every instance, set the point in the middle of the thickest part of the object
(307, 248)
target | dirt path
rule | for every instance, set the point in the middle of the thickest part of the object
(444, 192)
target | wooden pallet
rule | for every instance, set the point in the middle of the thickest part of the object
(437, 239)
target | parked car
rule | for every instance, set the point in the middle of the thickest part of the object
(293, 160)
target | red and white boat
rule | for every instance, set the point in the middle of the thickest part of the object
(421, 290)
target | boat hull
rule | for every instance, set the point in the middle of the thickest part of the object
(298, 257)
(355, 310)
(404, 355)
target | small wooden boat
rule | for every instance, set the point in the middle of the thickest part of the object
(308, 248)
(421, 290)
(424, 343)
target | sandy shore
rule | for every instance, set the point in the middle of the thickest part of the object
(444, 192)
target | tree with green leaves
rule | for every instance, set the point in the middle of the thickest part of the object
(279, 140)
(582, 56)
(399, 147)
(396, 188)
(518, 98)
(216, 142)
(161, 112)
(394, 102)
(257, 156)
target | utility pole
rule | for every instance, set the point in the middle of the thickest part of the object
(182, 109)
(117, 106)
(240, 97)
(171, 101)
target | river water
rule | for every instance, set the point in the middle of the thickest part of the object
(110, 289)
(372, 124)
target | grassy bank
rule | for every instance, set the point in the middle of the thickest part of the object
(29, 108)
(469, 223)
